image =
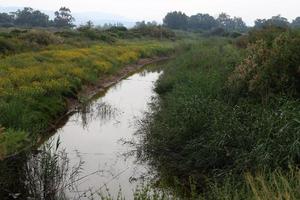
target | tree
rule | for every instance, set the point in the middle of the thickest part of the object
(141, 24)
(64, 18)
(225, 21)
(6, 19)
(296, 23)
(31, 18)
(176, 20)
(153, 23)
(239, 24)
(87, 26)
(277, 21)
(231, 24)
(202, 22)
(260, 23)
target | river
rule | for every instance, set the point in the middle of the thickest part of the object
(94, 137)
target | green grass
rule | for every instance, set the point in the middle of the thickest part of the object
(277, 185)
(198, 130)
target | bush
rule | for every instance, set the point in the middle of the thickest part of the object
(235, 34)
(12, 141)
(7, 46)
(117, 29)
(67, 34)
(154, 32)
(268, 34)
(217, 32)
(41, 38)
(269, 68)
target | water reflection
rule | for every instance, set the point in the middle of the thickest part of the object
(97, 110)
(44, 174)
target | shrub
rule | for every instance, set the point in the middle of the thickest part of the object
(217, 32)
(7, 46)
(12, 141)
(41, 38)
(67, 34)
(154, 32)
(269, 69)
(235, 34)
(268, 34)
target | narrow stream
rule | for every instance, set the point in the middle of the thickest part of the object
(96, 136)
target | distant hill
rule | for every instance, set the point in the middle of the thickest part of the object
(98, 18)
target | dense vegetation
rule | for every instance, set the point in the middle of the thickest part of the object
(227, 120)
(40, 69)
(206, 22)
(28, 17)
(24, 40)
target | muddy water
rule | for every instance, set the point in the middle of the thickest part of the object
(96, 136)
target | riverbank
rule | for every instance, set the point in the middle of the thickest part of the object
(217, 131)
(38, 87)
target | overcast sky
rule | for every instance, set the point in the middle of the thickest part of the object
(249, 10)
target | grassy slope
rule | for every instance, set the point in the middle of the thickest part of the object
(34, 85)
(197, 130)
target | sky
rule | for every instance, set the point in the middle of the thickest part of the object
(137, 10)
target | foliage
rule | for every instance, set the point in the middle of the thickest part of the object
(41, 38)
(267, 34)
(176, 20)
(48, 174)
(153, 31)
(26, 40)
(11, 140)
(269, 69)
(197, 128)
(28, 18)
(6, 20)
(277, 21)
(263, 185)
(6, 46)
(296, 23)
(63, 18)
(42, 174)
(231, 24)
(31, 18)
(204, 22)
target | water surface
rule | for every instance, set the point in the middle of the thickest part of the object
(96, 135)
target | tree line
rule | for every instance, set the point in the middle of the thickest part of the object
(277, 21)
(28, 17)
(206, 22)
